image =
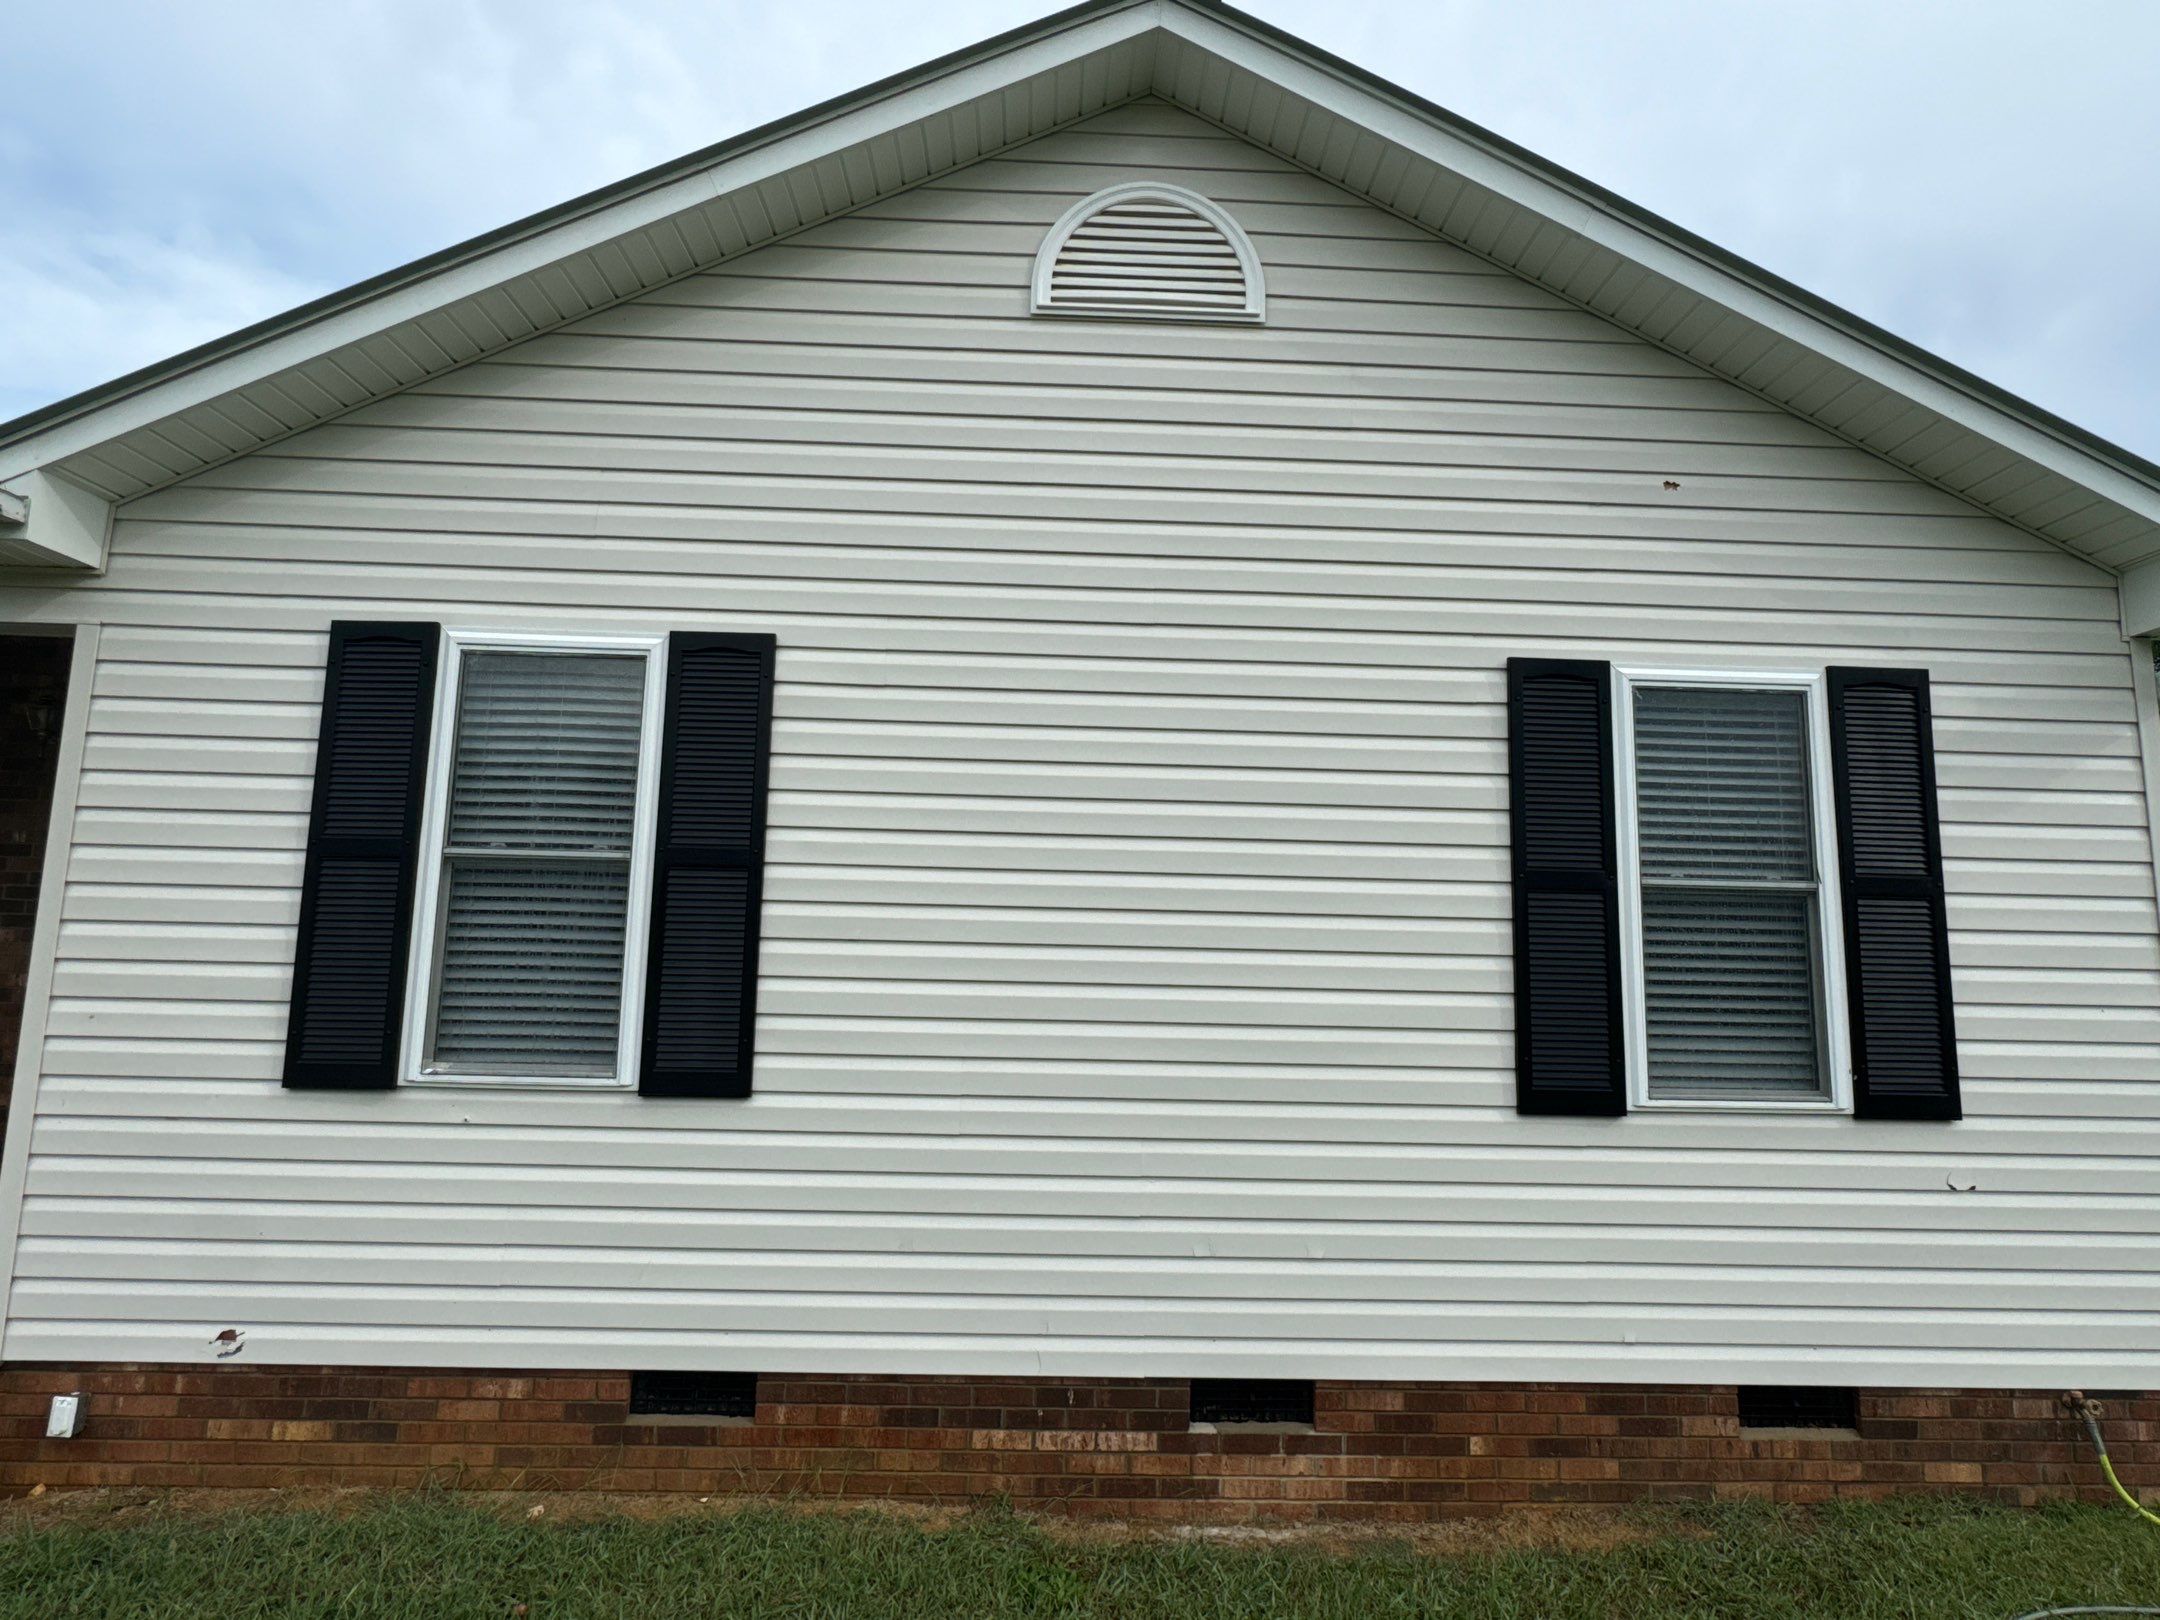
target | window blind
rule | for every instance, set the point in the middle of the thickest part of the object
(547, 751)
(1729, 906)
(536, 858)
(532, 960)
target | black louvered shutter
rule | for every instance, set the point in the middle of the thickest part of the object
(708, 873)
(356, 895)
(1897, 938)
(1568, 1048)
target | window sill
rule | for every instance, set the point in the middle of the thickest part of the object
(1737, 1105)
(514, 1082)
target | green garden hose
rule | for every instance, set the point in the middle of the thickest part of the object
(2079, 1407)
(2090, 1412)
(2108, 1469)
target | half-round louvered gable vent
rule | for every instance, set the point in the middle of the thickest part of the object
(1148, 252)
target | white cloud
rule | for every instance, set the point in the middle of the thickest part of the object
(86, 302)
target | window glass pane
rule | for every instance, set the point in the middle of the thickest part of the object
(1721, 783)
(547, 751)
(1729, 992)
(532, 966)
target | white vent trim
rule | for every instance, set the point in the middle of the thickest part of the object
(1147, 252)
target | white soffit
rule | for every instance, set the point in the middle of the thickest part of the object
(1375, 140)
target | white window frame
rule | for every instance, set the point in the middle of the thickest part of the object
(1830, 913)
(427, 902)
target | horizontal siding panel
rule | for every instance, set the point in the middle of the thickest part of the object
(611, 1235)
(1270, 652)
(1252, 613)
(320, 491)
(969, 760)
(653, 328)
(258, 739)
(704, 436)
(1041, 1356)
(1028, 363)
(877, 1195)
(1342, 601)
(956, 482)
(506, 391)
(825, 1282)
(1029, 1319)
(1282, 901)
(213, 963)
(1524, 542)
(1129, 1022)
(836, 266)
(155, 904)
(264, 795)
(2020, 1085)
(1000, 1101)
(203, 947)
(1344, 308)
(1347, 691)
(2024, 1081)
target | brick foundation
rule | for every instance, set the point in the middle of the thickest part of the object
(33, 693)
(1110, 1447)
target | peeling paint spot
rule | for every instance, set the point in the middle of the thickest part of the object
(229, 1343)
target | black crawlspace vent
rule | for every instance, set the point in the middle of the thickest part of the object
(1252, 1400)
(693, 1394)
(1798, 1406)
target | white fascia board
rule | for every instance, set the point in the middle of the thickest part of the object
(2141, 599)
(1412, 130)
(846, 127)
(67, 524)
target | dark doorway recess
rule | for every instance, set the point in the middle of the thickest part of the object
(33, 698)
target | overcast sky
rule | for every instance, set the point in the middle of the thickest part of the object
(1980, 176)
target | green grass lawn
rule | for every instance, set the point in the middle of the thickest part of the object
(434, 1555)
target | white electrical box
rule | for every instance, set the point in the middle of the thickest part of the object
(66, 1414)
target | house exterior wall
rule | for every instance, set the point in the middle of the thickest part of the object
(1136, 979)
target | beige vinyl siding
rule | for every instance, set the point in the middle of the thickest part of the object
(1136, 987)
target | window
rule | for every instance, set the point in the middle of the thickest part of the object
(536, 865)
(1727, 892)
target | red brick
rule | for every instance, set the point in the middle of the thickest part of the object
(1398, 1452)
